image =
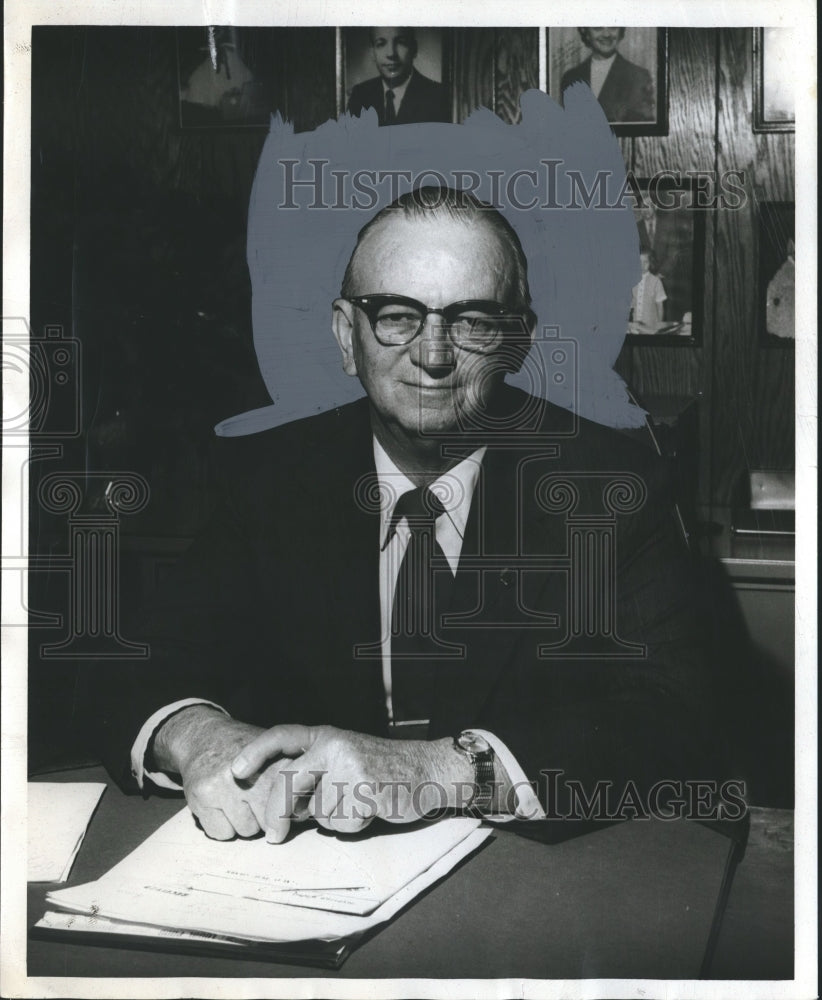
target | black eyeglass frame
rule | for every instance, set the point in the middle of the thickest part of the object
(520, 320)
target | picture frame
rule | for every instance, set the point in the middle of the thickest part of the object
(776, 264)
(229, 78)
(773, 99)
(666, 309)
(634, 94)
(358, 77)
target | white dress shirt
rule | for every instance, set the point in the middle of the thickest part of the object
(455, 490)
(600, 68)
(399, 92)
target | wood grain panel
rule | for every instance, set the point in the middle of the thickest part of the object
(664, 371)
(516, 69)
(752, 385)
(774, 169)
(626, 144)
(473, 69)
(689, 144)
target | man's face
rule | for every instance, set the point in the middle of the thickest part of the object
(603, 41)
(427, 387)
(394, 51)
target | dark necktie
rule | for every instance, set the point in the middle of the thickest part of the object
(390, 110)
(417, 606)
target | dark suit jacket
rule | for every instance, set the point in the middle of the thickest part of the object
(627, 94)
(267, 608)
(424, 101)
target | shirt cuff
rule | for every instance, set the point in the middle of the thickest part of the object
(150, 727)
(528, 805)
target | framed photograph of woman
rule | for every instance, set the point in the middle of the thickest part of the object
(666, 302)
(626, 68)
(773, 80)
(403, 73)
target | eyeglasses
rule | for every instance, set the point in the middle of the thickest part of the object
(476, 325)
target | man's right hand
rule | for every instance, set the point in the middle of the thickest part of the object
(199, 743)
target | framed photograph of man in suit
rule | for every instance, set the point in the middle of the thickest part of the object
(401, 72)
(625, 67)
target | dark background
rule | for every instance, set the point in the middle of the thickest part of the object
(138, 253)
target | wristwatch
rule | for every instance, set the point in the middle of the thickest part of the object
(478, 750)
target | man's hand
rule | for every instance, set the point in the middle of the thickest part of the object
(199, 744)
(345, 779)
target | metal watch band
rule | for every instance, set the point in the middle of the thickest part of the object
(484, 779)
(481, 756)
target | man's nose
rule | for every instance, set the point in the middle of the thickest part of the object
(434, 350)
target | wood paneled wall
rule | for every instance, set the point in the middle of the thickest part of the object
(746, 389)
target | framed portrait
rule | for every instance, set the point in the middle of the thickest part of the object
(627, 69)
(229, 77)
(403, 73)
(777, 266)
(666, 303)
(773, 81)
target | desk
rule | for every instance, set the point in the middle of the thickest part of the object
(631, 900)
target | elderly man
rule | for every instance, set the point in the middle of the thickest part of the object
(401, 94)
(622, 88)
(388, 600)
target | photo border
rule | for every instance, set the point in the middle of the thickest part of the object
(660, 126)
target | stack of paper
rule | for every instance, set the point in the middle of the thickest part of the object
(58, 815)
(316, 886)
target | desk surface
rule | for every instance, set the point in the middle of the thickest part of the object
(633, 900)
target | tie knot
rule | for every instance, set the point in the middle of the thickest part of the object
(420, 503)
(420, 507)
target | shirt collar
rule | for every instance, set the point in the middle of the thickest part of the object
(399, 91)
(455, 488)
(603, 65)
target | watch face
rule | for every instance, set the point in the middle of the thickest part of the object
(473, 743)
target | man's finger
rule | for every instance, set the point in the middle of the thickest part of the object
(241, 817)
(288, 787)
(214, 823)
(352, 815)
(288, 740)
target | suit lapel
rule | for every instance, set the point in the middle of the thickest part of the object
(612, 94)
(348, 585)
(491, 594)
(408, 108)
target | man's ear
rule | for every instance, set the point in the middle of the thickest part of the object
(342, 324)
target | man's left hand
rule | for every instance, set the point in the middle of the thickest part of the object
(344, 779)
